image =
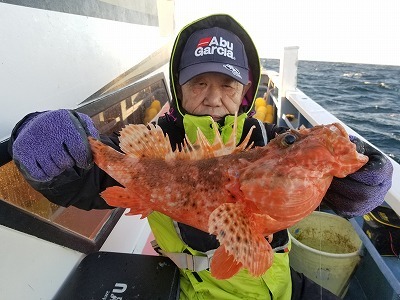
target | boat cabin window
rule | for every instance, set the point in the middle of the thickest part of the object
(24, 209)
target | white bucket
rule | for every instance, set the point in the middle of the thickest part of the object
(325, 248)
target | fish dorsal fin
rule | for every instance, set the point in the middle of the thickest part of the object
(149, 141)
(202, 148)
(231, 145)
(140, 140)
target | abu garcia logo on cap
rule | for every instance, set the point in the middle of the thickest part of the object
(211, 46)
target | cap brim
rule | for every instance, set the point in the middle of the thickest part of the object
(237, 73)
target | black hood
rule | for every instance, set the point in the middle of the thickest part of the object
(228, 23)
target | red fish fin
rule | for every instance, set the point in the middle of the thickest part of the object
(121, 197)
(202, 148)
(111, 161)
(233, 140)
(102, 152)
(223, 265)
(145, 141)
(238, 233)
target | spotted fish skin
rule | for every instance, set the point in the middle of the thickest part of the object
(241, 195)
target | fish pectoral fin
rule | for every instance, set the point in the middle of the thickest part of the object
(121, 197)
(232, 224)
(223, 264)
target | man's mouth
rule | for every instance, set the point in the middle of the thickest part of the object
(216, 118)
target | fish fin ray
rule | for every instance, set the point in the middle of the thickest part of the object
(202, 148)
(231, 145)
(139, 140)
(223, 264)
(244, 146)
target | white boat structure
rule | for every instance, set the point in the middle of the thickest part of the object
(110, 61)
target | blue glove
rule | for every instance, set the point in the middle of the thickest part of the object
(362, 191)
(51, 142)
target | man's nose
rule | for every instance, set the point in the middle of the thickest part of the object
(213, 97)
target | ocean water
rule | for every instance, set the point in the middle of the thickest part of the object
(365, 97)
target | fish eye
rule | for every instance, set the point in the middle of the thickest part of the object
(288, 139)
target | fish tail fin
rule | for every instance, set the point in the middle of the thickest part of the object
(121, 197)
(241, 238)
(101, 152)
(111, 161)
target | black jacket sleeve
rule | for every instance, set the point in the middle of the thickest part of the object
(77, 187)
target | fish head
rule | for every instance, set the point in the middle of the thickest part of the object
(324, 149)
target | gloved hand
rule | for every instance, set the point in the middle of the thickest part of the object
(52, 142)
(362, 191)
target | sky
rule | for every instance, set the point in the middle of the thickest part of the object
(356, 31)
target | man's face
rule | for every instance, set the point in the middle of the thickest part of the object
(213, 94)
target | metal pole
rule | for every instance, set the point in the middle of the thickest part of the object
(287, 81)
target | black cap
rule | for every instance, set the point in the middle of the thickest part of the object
(214, 50)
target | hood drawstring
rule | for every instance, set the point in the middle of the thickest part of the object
(171, 115)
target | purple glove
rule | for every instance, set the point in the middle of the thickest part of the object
(362, 191)
(51, 142)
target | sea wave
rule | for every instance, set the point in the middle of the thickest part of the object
(363, 96)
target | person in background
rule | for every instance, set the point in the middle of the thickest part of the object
(214, 74)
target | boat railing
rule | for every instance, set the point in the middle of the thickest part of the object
(293, 108)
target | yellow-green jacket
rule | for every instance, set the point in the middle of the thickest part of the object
(274, 284)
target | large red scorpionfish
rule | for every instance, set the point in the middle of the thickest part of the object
(240, 194)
